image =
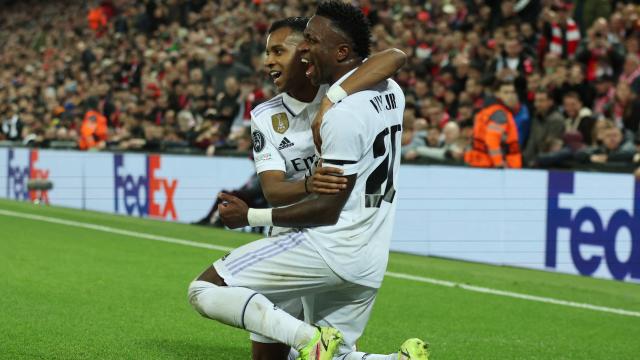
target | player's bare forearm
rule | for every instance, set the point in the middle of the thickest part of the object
(378, 67)
(281, 192)
(319, 211)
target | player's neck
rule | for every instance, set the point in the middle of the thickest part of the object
(305, 93)
(344, 68)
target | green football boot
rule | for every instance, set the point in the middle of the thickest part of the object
(414, 349)
(323, 345)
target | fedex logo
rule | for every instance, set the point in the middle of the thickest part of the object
(19, 173)
(141, 193)
(603, 235)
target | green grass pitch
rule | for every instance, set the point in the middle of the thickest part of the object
(74, 293)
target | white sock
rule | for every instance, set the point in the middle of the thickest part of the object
(293, 354)
(356, 355)
(246, 309)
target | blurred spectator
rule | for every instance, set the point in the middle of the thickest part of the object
(11, 126)
(604, 92)
(624, 109)
(465, 114)
(434, 138)
(600, 53)
(131, 135)
(561, 33)
(226, 68)
(513, 65)
(587, 11)
(229, 105)
(439, 146)
(631, 72)
(614, 148)
(561, 152)
(597, 134)
(577, 83)
(495, 135)
(435, 113)
(577, 117)
(474, 89)
(547, 127)
(243, 141)
(522, 117)
(412, 136)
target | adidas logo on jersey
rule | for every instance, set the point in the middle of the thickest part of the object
(285, 143)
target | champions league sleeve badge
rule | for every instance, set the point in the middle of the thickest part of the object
(258, 141)
(280, 122)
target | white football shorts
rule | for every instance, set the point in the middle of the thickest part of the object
(286, 269)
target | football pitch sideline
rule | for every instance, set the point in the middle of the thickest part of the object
(86, 285)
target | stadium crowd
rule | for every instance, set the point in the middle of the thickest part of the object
(171, 75)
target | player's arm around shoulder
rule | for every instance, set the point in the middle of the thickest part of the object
(377, 68)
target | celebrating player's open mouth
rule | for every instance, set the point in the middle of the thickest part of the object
(310, 68)
(275, 75)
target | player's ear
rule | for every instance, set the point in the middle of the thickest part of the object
(343, 52)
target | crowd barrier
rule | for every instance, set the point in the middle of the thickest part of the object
(570, 222)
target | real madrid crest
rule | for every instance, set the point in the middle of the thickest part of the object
(280, 122)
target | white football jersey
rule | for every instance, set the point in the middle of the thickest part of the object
(361, 134)
(282, 138)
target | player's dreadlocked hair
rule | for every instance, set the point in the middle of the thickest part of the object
(297, 24)
(351, 21)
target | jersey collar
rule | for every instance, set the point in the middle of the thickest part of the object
(295, 106)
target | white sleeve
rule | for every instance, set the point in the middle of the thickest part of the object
(265, 155)
(343, 142)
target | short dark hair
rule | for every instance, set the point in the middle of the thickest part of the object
(543, 90)
(500, 83)
(572, 94)
(297, 24)
(351, 21)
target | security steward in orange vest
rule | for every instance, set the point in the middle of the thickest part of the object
(495, 135)
(94, 130)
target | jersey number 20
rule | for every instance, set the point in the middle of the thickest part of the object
(384, 172)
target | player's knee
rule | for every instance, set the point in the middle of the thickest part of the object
(196, 289)
(207, 282)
